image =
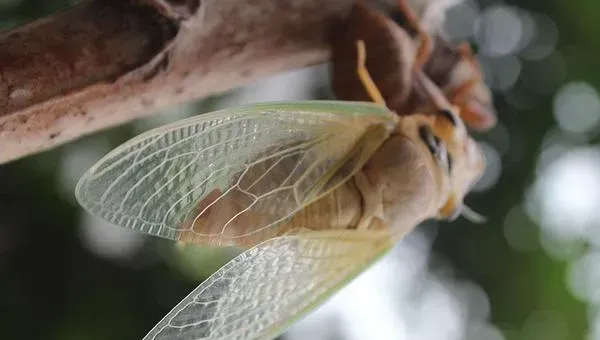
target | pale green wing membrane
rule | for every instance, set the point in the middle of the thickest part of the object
(265, 289)
(220, 177)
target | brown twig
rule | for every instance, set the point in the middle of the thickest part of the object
(106, 62)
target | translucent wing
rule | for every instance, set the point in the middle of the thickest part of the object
(226, 177)
(262, 291)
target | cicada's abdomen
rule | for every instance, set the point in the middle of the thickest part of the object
(228, 222)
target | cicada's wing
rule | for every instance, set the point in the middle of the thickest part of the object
(262, 291)
(231, 176)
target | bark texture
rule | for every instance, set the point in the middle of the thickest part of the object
(102, 63)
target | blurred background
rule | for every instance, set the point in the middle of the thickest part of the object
(532, 272)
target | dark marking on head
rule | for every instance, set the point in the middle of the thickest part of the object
(54, 135)
(449, 115)
(428, 138)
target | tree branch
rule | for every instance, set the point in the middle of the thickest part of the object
(105, 62)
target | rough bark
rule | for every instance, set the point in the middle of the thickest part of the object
(106, 62)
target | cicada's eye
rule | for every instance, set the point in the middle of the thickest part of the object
(427, 137)
(451, 116)
(436, 147)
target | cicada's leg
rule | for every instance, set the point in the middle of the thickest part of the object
(465, 51)
(372, 213)
(425, 41)
(475, 110)
(448, 124)
(364, 76)
(459, 93)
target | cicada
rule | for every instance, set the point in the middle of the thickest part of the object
(315, 192)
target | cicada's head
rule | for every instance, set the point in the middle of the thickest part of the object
(457, 161)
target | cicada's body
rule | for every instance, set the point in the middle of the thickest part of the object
(316, 191)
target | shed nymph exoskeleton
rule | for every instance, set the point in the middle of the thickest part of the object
(395, 52)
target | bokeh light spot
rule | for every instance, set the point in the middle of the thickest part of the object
(519, 232)
(544, 40)
(107, 240)
(499, 31)
(568, 194)
(584, 277)
(492, 171)
(577, 107)
(460, 20)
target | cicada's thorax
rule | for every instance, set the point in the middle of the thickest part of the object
(397, 188)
